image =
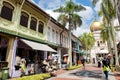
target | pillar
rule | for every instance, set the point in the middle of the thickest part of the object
(59, 57)
(11, 52)
(1, 5)
(45, 54)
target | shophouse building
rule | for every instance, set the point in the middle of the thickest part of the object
(30, 33)
(23, 27)
(76, 50)
(57, 37)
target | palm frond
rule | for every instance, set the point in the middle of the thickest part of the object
(61, 9)
(63, 19)
(94, 2)
(76, 21)
(104, 34)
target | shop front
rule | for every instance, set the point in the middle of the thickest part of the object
(12, 49)
(33, 53)
(3, 52)
(7, 48)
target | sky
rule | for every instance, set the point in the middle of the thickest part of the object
(88, 16)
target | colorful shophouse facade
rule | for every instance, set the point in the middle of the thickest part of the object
(22, 31)
(27, 31)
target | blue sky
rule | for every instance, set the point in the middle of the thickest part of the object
(87, 16)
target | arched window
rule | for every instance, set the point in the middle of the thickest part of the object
(24, 19)
(41, 27)
(7, 11)
(33, 23)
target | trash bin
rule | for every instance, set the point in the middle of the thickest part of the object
(5, 73)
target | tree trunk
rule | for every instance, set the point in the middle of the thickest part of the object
(116, 6)
(115, 45)
(70, 50)
(110, 44)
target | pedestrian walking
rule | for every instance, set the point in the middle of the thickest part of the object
(83, 62)
(99, 60)
(106, 65)
(93, 60)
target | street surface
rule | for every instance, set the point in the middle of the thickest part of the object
(91, 72)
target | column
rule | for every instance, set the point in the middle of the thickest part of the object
(37, 27)
(29, 20)
(1, 5)
(16, 15)
(45, 54)
(11, 52)
(59, 57)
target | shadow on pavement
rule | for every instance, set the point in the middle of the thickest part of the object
(86, 73)
(115, 74)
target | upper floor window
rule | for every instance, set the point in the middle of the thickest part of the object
(33, 24)
(7, 11)
(41, 27)
(24, 19)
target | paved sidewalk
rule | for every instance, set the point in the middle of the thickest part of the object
(91, 72)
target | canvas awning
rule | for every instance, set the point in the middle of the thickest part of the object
(38, 46)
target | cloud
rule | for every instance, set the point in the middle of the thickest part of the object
(98, 5)
(80, 31)
(53, 14)
(45, 4)
(87, 17)
(87, 14)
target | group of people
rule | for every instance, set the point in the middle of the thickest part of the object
(49, 65)
(27, 68)
(102, 62)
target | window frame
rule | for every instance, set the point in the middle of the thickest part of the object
(32, 26)
(41, 27)
(7, 11)
(24, 14)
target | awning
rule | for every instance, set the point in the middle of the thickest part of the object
(81, 52)
(38, 46)
(105, 51)
(65, 55)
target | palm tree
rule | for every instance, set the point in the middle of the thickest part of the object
(109, 13)
(69, 15)
(87, 40)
